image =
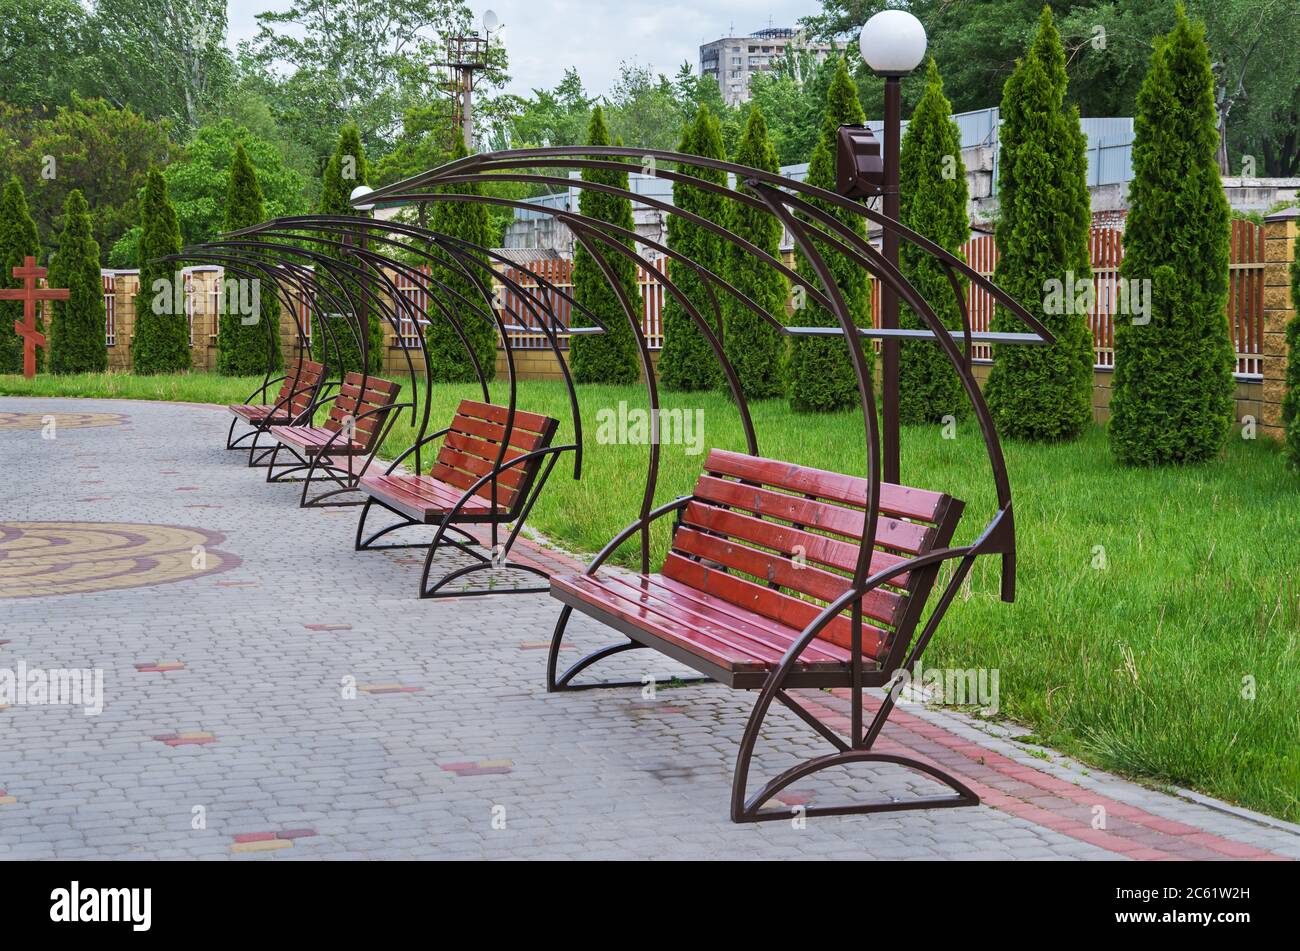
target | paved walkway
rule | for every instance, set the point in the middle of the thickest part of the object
(230, 628)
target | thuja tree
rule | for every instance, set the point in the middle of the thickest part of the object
(1291, 396)
(687, 362)
(17, 241)
(821, 375)
(161, 340)
(610, 357)
(932, 201)
(1043, 393)
(76, 333)
(1172, 393)
(755, 348)
(346, 170)
(248, 342)
(470, 222)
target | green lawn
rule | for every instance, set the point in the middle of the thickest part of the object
(1138, 667)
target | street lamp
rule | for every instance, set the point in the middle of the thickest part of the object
(361, 191)
(892, 44)
(363, 304)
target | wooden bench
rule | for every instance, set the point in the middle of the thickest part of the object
(300, 388)
(480, 476)
(361, 413)
(757, 593)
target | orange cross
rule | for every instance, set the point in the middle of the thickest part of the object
(29, 294)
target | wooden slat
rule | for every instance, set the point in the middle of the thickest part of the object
(728, 648)
(792, 612)
(494, 432)
(834, 486)
(480, 448)
(884, 606)
(818, 549)
(812, 513)
(476, 467)
(532, 422)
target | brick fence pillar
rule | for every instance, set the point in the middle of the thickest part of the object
(1279, 249)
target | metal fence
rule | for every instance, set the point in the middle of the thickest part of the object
(1245, 310)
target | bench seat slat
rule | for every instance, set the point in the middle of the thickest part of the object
(311, 439)
(790, 611)
(730, 649)
(421, 497)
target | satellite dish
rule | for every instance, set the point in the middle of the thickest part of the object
(490, 20)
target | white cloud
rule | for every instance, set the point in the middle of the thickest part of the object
(544, 37)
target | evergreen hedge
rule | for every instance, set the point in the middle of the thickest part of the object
(821, 376)
(17, 240)
(1172, 392)
(344, 355)
(1291, 395)
(756, 350)
(161, 339)
(610, 357)
(248, 349)
(687, 362)
(77, 332)
(447, 358)
(932, 201)
(1044, 218)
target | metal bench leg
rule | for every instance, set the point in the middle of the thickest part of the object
(565, 681)
(751, 809)
(231, 441)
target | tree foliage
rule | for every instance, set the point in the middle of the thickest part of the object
(164, 58)
(357, 61)
(447, 358)
(932, 201)
(247, 347)
(161, 339)
(1172, 393)
(612, 356)
(1291, 395)
(1042, 393)
(76, 331)
(88, 146)
(821, 377)
(687, 362)
(17, 240)
(1108, 44)
(755, 348)
(347, 169)
(200, 184)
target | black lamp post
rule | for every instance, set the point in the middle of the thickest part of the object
(892, 44)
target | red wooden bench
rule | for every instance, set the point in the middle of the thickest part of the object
(300, 388)
(756, 593)
(361, 414)
(480, 476)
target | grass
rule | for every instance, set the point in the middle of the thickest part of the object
(1157, 628)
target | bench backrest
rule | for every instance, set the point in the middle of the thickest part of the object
(470, 448)
(798, 532)
(353, 403)
(301, 385)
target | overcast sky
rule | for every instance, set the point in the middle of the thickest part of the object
(543, 37)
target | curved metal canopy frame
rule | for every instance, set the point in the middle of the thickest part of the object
(811, 215)
(797, 205)
(262, 269)
(806, 213)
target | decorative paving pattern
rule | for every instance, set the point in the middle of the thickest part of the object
(38, 559)
(26, 421)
